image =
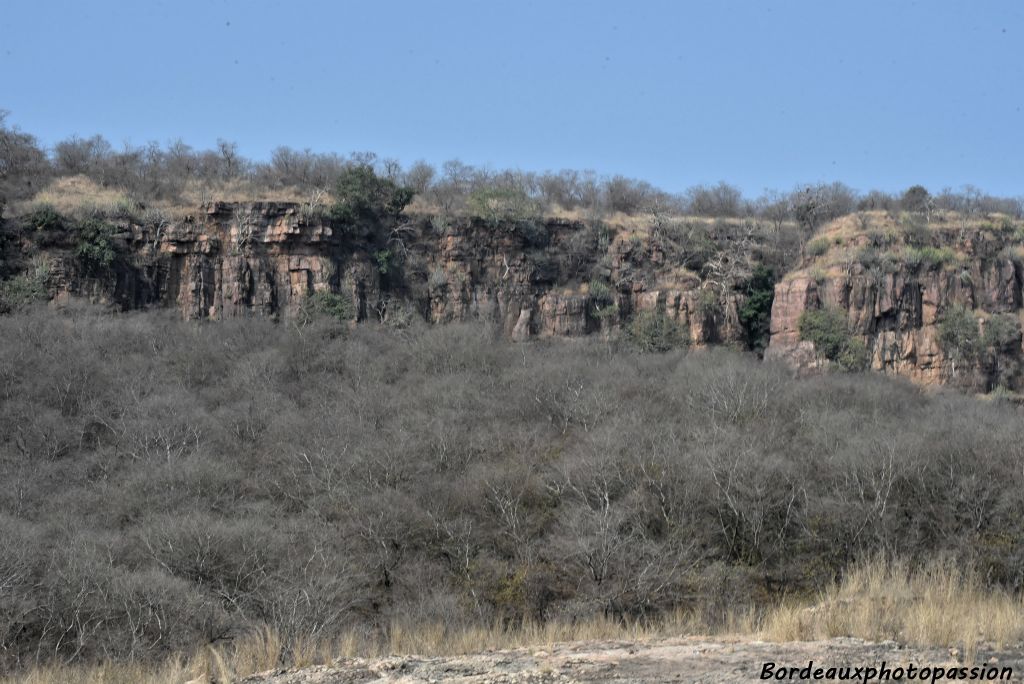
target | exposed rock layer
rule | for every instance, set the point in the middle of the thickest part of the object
(264, 259)
(533, 279)
(897, 309)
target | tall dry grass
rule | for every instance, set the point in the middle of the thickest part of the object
(265, 649)
(940, 605)
(78, 197)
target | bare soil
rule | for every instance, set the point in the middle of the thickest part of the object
(688, 659)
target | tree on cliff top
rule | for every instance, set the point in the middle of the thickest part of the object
(362, 197)
(23, 165)
(916, 200)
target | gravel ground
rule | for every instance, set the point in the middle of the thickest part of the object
(689, 659)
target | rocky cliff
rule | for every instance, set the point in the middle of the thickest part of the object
(533, 278)
(898, 282)
(893, 279)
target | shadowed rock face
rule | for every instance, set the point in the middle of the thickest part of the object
(263, 259)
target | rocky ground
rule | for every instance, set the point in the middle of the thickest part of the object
(689, 659)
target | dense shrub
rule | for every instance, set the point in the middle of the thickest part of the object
(719, 200)
(94, 244)
(22, 291)
(832, 338)
(755, 313)
(169, 484)
(928, 257)
(916, 199)
(601, 300)
(959, 337)
(333, 305)
(654, 331)
(497, 205)
(1001, 331)
(361, 197)
(44, 218)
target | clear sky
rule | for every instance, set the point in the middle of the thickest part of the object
(877, 94)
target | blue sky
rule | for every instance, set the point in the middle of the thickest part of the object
(877, 94)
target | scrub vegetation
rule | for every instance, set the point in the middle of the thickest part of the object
(173, 488)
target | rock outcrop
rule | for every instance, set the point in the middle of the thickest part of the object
(895, 301)
(264, 259)
(893, 279)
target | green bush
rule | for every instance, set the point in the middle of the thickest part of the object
(929, 257)
(602, 300)
(383, 257)
(1001, 331)
(22, 291)
(95, 245)
(44, 217)
(361, 197)
(533, 232)
(654, 331)
(755, 313)
(854, 356)
(915, 199)
(127, 209)
(332, 305)
(828, 330)
(600, 293)
(497, 205)
(958, 336)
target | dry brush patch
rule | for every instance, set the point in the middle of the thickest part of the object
(937, 606)
(276, 491)
(942, 604)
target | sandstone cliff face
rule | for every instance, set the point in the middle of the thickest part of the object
(892, 281)
(896, 306)
(263, 259)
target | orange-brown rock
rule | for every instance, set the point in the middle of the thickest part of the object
(264, 258)
(898, 314)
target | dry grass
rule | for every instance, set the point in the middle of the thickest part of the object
(941, 605)
(638, 223)
(896, 238)
(854, 229)
(80, 197)
(77, 196)
(265, 649)
(240, 190)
